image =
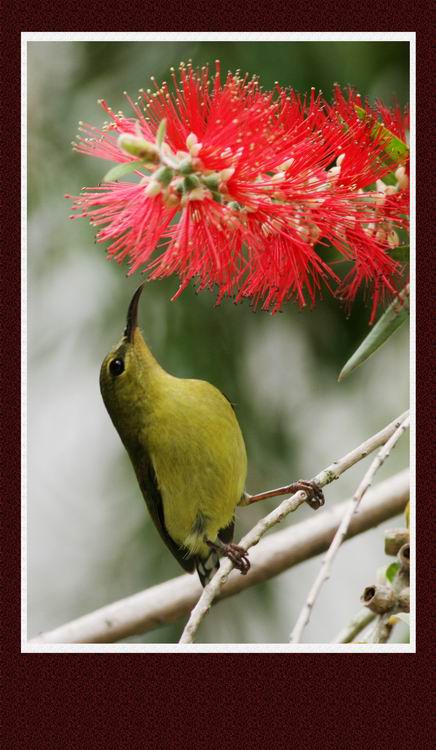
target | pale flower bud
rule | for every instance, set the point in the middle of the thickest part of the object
(286, 164)
(197, 194)
(226, 174)
(192, 144)
(278, 177)
(393, 239)
(171, 200)
(191, 141)
(138, 147)
(303, 231)
(402, 178)
(314, 233)
(153, 188)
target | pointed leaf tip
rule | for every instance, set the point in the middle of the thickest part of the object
(394, 145)
(161, 132)
(391, 571)
(394, 148)
(396, 314)
(120, 170)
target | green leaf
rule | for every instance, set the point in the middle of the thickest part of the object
(391, 571)
(389, 179)
(401, 253)
(161, 131)
(120, 170)
(396, 314)
(395, 147)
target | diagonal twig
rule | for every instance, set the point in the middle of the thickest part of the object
(358, 623)
(339, 537)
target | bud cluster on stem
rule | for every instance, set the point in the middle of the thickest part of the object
(177, 177)
(390, 597)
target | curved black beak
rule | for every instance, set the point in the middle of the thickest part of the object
(132, 315)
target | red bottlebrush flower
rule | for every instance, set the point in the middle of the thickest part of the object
(394, 118)
(378, 118)
(236, 186)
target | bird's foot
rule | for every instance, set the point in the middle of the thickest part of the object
(237, 555)
(314, 494)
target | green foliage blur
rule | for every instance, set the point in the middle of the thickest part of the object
(90, 540)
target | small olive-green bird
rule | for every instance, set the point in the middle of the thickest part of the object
(186, 447)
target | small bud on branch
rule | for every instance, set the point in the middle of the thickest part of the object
(394, 540)
(378, 599)
(404, 600)
(404, 557)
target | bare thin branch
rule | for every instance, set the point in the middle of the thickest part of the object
(170, 601)
(359, 622)
(339, 537)
(382, 629)
(287, 506)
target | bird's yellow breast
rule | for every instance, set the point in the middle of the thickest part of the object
(199, 457)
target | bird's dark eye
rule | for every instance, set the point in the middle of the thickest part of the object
(116, 366)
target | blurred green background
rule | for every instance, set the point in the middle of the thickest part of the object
(90, 540)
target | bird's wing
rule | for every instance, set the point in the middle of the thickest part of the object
(153, 498)
(232, 404)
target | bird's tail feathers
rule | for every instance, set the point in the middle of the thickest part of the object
(207, 567)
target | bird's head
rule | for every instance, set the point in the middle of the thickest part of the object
(125, 370)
